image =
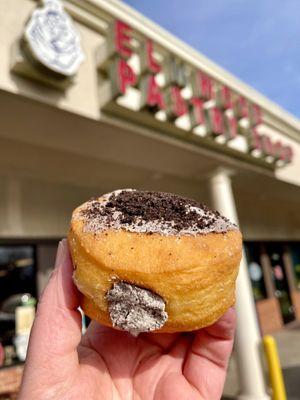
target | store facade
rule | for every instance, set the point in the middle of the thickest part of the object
(115, 101)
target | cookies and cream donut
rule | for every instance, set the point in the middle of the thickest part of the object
(151, 261)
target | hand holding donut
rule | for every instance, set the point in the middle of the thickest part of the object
(110, 363)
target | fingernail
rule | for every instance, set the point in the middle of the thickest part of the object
(61, 254)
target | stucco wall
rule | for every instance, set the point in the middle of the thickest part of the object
(267, 218)
(31, 208)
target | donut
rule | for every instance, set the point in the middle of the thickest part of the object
(153, 261)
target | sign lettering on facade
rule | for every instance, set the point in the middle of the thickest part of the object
(210, 104)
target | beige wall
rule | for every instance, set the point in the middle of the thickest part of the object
(268, 218)
(43, 208)
(81, 98)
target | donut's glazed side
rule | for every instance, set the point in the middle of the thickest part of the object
(195, 275)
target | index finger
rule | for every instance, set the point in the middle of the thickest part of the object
(56, 331)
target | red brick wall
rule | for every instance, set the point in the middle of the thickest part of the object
(295, 295)
(269, 315)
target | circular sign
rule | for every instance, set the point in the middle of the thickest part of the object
(52, 39)
(255, 271)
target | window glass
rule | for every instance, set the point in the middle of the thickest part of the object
(255, 270)
(295, 254)
(275, 253)
(17, 290)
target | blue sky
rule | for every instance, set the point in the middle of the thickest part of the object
(256, 40)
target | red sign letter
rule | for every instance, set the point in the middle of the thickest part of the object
(178, 106)
(267, 145)
(151, 63)
(288, 154)
(231, 127)
(151, 93)
(255, 115)
(196, 113)
(277, 150)
(241, 107)
(215, 121)
(126, 76)
(254, 140)
(202, 85)
(122, 39)
(205, 85)
(225, 97)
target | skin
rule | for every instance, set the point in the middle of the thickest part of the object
(1, 355)
(113, 365)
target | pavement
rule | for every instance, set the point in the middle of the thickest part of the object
(288, 343)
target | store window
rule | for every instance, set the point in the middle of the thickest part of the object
(17, 300)
(294, 249)
(275, 253)
(253, 254)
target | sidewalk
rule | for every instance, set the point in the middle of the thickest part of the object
(288, 342)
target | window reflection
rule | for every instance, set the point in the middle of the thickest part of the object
(17, 300)
(253, 253)
(294, 249)
(266, 260)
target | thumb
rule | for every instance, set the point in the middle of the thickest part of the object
(56, 331)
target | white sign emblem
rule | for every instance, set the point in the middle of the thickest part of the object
(52, 39)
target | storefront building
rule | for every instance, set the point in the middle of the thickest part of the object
(96, 97)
